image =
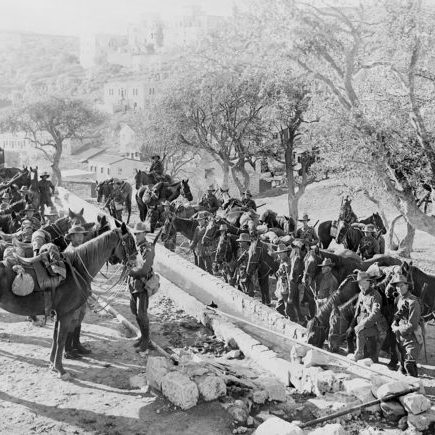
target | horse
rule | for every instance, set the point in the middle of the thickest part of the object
(226, 256)
(117, 245)
(143, 178)
(20, 179)
(8, 173)
(260, 261)
(350, 236)
(56, 230)
(272, 220)
(103, 189)
(77, 218)
(115, 194)
(16, 207)
(183, 226)
(325, 233)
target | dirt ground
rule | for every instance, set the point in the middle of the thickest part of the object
(98, 399)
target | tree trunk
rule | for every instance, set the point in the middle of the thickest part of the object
(292, 197)
(407, 242)
(393, 244)
(226, 174)
(57, 175)
(236, 180)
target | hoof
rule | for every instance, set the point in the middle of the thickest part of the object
(65, 376)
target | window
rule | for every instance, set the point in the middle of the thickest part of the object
(110, 91)
(108, 171)
(119, 171)
(101, 170)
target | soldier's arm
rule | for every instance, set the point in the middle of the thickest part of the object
(413, 318)
(373, 317)
(195, 239)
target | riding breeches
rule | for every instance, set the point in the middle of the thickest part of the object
(139, 308)
(409, 350)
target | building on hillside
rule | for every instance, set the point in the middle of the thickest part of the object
(130, 95)
(106, 165)
(129, 144)
(96, 49)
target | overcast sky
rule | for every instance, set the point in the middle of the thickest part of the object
(73, 17)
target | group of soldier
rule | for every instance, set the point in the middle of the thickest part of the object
(368, 325)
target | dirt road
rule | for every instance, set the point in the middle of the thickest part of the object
(98, 399)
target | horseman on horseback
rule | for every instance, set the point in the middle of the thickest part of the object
(209, 200)
(156, 168)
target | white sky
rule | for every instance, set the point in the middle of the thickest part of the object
(73, 17)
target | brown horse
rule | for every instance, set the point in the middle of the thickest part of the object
(113, 193)
(143, 178)
(82, 265)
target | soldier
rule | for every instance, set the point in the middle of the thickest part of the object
(346, 213)
(244, 282)
(29, 213)
(297, 269)
(73, 348)
(368, 323)
(202, 257)
(46, 191)
(282, 275)
(51, 215)
(209, 200)
(247, 200)
(156, 168)
(307, 233)
(325, 283)
(406, 326)
(368, 245)
(137, 283)
(170, 239)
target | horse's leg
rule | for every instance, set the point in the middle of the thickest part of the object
(65, 326)
(263, 281)
(54, 344)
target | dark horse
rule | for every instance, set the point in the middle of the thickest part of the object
(264, 264)
(20, 179)
(143, 178)
(168, 192)
(325, 236)
(82, 265)
(10, 223)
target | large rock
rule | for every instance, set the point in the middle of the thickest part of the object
(325, 382)
(157, 367)
(278, 426)
(239, 413)
(362, 389)
(422, 421)
(415, 403)
(297, 353)
(377, 381)
(274, 388)
(392, 387)
(210, 387)
(329, 429)
(180, 390)
(260, 396)
(315, 358)
(392, 410)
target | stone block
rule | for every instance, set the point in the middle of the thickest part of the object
(297, 353)
(359, 387)
(309, 377)
(239, 413)
(260, 396)
(315, 358)
(422, 421)
(280, 367)
(392, 410)
(180, 390)
(278, 426)
(332, 402)
(392, 387)
(329, 429)
(157, 367)
(377, 381)
(325, 382)
(138, 381)
(296, 376)
(415, 403)
(210, 387)
(274, 388)
(233, 354)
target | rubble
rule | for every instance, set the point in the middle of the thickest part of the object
(315, 358)
(278, 426)
(239, 413)
(274, 388)
(260, 396)
(415, 403)
(157, 367)
(138, 381)
(392, 410)
(210, 387)
(233, 354)
(392, 387)
(180, 390)
(422, 421)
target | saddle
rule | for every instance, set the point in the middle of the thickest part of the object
(45, 273)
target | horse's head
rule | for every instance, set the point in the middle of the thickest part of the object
(185, 190)
(76, 218)
(377, 221)
(311, 261)
(264, 216)
(222, 195)
(125, 250)
(63, 224)
(253, 258)
(138, 179)
(102, 224)
(103, 189)
(341, 231)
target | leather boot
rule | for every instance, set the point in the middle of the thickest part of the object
(77, 346)
(411, 368)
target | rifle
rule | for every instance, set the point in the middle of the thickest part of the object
(261, 205)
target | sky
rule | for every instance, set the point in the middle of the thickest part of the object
(75, 17)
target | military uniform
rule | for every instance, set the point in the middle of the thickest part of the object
(243, 281)
(408, 332)
(295, 278)
(249, 203)
(210, 202)
(282, 286)
(368, 247)
(370, 323)
(46, 191)
(203, 258)
(157, 168)
(139, 298)
(324, 285)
